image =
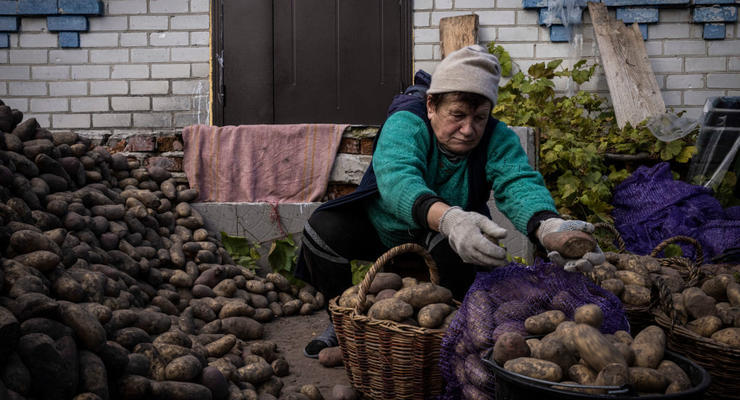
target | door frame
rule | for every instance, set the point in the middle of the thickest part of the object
(218, 86)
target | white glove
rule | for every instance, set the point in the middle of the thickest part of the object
(583, 264)
(467, 232)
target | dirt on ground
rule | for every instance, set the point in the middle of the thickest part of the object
(291, 335)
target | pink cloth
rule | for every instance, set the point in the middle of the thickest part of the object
(260, 163)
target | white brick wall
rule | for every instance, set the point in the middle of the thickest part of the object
(688, 68)
(135, 51)
(145, 64)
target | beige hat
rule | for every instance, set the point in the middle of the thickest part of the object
(470, 69)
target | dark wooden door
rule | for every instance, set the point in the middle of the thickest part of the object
(309, 61)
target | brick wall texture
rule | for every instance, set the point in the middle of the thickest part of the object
(688, 68)
(142, 70)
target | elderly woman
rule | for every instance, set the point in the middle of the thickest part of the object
(435, 163)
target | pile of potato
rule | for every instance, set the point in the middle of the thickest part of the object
(628, 276)
(712, 310)
(404, 300)
(576, 352)
(110, 287)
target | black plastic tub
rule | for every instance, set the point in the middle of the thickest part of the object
(513, 386)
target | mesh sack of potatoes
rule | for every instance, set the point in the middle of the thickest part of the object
(500, 301)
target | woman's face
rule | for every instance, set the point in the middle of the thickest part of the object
(457, 126)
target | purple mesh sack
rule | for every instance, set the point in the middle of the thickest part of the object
(499, 301)
(650, 207)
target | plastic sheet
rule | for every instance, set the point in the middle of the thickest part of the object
(718, 143)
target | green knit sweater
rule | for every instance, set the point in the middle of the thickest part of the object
(404, 173)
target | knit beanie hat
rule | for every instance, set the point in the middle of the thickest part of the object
(470, 69)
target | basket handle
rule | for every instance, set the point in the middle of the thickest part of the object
(617, 236)
(691, 267)
(387, 256)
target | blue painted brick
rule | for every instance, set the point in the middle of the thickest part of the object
(8, 24)
(643, 30)
(713, 2)
(534, 3)
(641, 15)
(573, 18)
(37, 7)
(4, 40)
(559, 33)
(69, 39)
(81, 7)
(8, 7)
(647, 3)
(69, 23)
(715, 14)
(714, 31)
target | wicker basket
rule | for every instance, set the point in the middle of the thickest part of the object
(720, 360)
(640, 317)
(386, 359)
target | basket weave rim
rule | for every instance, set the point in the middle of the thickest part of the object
(679, 330)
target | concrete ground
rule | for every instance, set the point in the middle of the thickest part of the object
(291, 335)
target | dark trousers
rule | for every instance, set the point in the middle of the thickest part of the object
(333, 237)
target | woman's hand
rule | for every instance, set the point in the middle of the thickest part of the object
(472, 237)
(584, 264)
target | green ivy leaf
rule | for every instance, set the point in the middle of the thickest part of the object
(282, 255)
(673, 250)
(359, 270)
(241, 251)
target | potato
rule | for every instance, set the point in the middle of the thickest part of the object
(729, 315)
(424, 293)
(553, 349)
(409, 281)
(179, 390)
(614, 374)
(604, 272)
(532, 344)
(393, 309)
(633, 278)
(623, 336)
(476, 372)
(627, 352)
(472, 392)
(432, 315)
(256, 372)
(385, 294)
(385, 280)
(343, 392)
(594, 348)
(564, 332)
(733, 294)
(679, 379)
(185, 368)
(649, 347)
(717, 286)
(219, 347)
(616, 286)
(545, 322)
(312, 392)
(648, 380)
(349, 297)
(535, 368)
(331, 357)
(697, 303)
(242, 327)
(636, 295)
(728, 336)
(705, 326)
(582, 374)
(590, 314)
(508, 346)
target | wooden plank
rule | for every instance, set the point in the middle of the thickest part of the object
(632, 85)
(458, 32)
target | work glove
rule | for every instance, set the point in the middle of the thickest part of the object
(583, 264)
(467, 233)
